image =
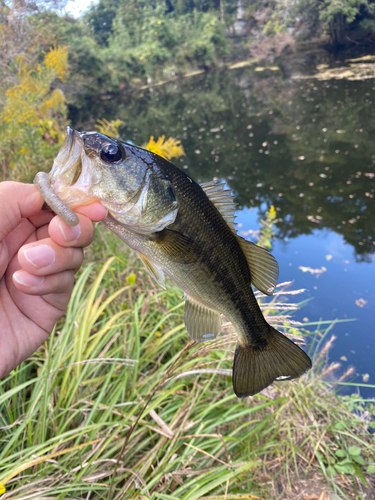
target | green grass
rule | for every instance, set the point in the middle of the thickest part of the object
(120, 404)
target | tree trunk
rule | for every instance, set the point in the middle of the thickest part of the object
(337, 30)
(222, 11)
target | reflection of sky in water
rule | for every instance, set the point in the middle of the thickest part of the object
(333, 293)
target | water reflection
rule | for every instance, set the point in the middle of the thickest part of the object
(305, 146)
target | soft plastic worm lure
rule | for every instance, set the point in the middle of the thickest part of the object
(53, 201)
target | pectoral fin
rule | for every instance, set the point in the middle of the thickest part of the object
(263, 266)
(176, 246)
(202, 324)
(154, 270)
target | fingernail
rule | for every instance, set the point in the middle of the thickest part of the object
(70, 233)
(40, 256)
(26, 279)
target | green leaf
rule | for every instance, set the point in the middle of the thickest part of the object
(340, 453)
(354, 451)
(371, 469)
(359, 460)
(360, 475)
(340, 426)
(346, 461)
(344, 469)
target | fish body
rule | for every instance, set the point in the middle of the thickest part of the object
(185, 231)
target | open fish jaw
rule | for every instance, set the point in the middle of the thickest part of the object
(72, 175)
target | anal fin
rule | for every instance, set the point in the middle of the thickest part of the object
(154, 271)
(202, 323)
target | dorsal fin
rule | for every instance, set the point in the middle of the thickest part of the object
(264, 269)
(223, 201)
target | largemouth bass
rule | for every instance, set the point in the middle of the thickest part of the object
(185, 231)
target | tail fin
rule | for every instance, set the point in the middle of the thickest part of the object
(255, 368)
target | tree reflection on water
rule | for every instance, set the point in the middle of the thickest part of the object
(304, 146)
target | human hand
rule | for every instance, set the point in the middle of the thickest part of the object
(39, 255)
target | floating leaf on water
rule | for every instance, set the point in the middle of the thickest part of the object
(318, 272)
(361, 59)
(328, 256)
(360, 302)
(311, 218)
(365, 377)
(344, 358)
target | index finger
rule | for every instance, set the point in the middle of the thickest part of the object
(17, 201)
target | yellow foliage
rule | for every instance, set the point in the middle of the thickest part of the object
(57, 61)
(131, 279)
(53, 101)
(29, 101)
(32, 118)
(171, 148)
(109, 127)
(271, 214)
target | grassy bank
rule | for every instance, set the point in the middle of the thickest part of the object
(120, 404)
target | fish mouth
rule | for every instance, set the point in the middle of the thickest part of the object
(72, 175)
(56, 187)
(67, 165)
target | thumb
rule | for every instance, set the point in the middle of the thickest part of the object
(17, 201)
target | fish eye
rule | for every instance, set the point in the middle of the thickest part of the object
(110, 153)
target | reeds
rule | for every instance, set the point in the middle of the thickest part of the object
(119, 404)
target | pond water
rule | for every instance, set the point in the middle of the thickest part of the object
(304, 146)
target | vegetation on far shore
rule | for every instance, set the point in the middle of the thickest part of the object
(118, 44)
